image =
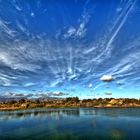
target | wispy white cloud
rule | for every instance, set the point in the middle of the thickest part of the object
(5, 81)
(4, 27)
(29, 84)
(105, 45)
(9, 59)
(32, 14)
(57, 93)
(80, 30)
(41, 62)
(108, 93)
(71, 32)
(15, 95)
(90, 85)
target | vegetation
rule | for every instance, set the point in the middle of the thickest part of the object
(68, 102)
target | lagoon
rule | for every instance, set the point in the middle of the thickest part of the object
(71, 124)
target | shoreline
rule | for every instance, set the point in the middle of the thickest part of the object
(96, 107)
(71, 102)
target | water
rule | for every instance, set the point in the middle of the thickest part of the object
(71, 124)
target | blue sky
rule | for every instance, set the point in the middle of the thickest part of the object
(70, 46)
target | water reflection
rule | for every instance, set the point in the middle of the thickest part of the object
(21, 114)
(112, 112)
(71, 124)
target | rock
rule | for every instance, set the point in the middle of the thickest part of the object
(113, 101)
(25, 105)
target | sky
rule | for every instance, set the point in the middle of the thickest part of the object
(84, 48)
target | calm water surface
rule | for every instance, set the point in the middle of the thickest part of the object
(71, 124)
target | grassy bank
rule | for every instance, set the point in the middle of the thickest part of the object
(68, 102)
